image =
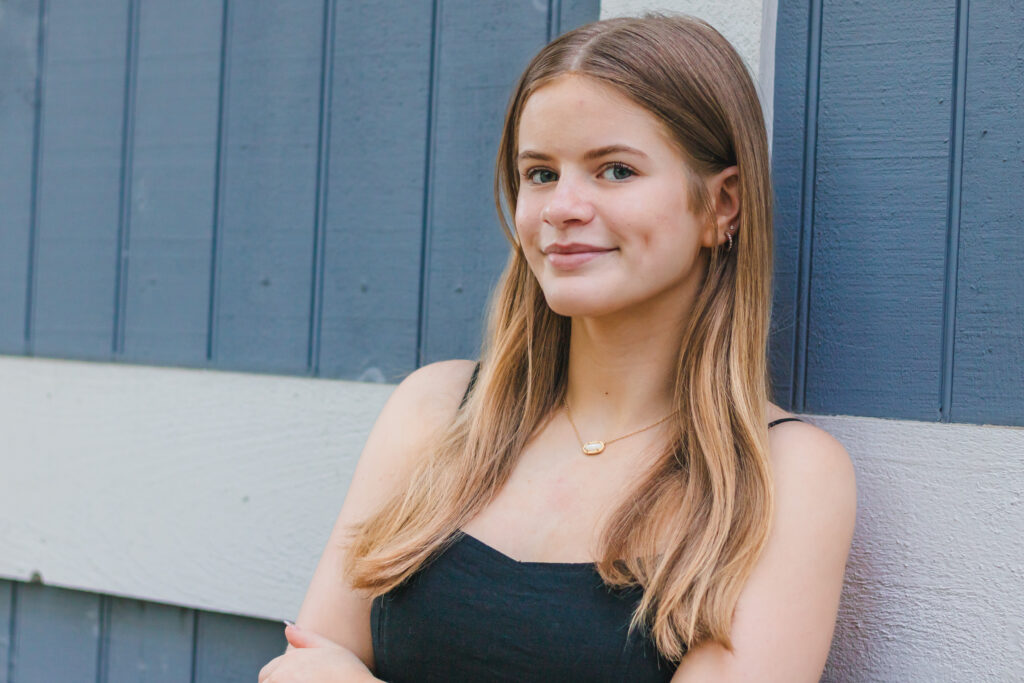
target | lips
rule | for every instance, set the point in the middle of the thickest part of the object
(574, 255)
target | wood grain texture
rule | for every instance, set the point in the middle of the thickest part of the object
(80, 178)
(483, 48)
(233, 649)
(172, 182)
(988, 377)
(265, 244)
(19, 69)
(148, 642)
(57, 636)
(789, 155)
(379, 118)
(880, 219)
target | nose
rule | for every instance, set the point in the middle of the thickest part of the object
(568, 204)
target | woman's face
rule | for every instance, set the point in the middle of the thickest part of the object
(602, 213)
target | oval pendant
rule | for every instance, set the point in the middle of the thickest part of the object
(593, 447)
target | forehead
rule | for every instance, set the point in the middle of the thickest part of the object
(574, 111)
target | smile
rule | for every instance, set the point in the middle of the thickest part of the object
(573, 256)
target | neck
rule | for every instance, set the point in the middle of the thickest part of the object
(622, 370)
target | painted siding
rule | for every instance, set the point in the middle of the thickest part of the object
(75, 269)
(232, 649)
(277, 187)
(71, 636)
(338, 171)
(879, 222)
(147, 642)
(379, 117)
(165, 291)
(464, 250)
(6, 630)
(19, 69)
(56, 635)
(898, 295)
(269, 159)
(988, 370)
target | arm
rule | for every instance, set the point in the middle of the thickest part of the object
(785, 616)
(422, 404)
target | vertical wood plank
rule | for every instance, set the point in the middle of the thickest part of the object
(574, 13)
(19, 69)
(232, 649)
(483, 48)
(379, 120)
(57, 637)
(148, 642)
(988, 377)
(265, 244)
(6, 624)
(172, 181)
(875, 329)
(789, 156)
(80, 178)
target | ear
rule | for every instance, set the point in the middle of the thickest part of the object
(724, 190)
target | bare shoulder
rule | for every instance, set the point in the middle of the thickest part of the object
(429, 396)
(420, 406)
(812, 469)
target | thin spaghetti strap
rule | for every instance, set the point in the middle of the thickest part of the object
(469, 387)
(783, 419)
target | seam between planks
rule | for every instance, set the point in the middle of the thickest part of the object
(798, 387)
(322, 171)
(12, 634)
(37, 146)
(103, 640)
(425, 237)
(956, 168)
(195, 645)
(218, 182)
(125, 185)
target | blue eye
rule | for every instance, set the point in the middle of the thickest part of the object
(618, 172)
(539, 176)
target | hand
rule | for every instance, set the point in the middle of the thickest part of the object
(315, 659)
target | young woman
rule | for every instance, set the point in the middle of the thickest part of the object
(609, 495)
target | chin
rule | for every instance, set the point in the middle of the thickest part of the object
(580, 306)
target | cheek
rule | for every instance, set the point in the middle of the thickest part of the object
(526, 222)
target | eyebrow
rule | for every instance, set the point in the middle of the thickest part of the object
(588, 156)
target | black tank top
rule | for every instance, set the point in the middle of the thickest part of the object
(475, 614)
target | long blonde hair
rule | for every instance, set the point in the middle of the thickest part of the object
(693, 529)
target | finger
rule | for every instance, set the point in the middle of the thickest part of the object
(300, 637)
(269, 667)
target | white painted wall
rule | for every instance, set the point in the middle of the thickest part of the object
(217, 490)
(206, 489)
(935, 582)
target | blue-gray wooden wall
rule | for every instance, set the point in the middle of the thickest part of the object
(53, 635)
(305, 188)
(899, 173)
(271, 186)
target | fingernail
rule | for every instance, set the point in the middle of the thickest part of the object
(289, 623)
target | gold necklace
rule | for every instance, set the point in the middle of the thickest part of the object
(597, 447)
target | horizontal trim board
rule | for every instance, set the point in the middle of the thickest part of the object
(190, 487)
(217, 490)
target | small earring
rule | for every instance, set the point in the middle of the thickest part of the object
(729, 235)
